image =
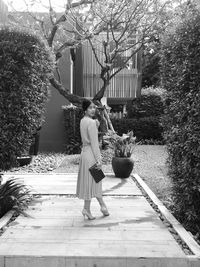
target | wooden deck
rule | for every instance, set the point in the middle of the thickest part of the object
(56, 235)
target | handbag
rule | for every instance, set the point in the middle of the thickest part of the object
(96, 173)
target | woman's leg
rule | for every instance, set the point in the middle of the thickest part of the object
(87, 204)
(104, 209)
(101, 202)
(86, 210)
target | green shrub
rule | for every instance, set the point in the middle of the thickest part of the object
(72, 117)
(145, 106)
(143, 128)
(25, 66)
(181, 79)
(151, 90)
(13, 195)
(151, 64)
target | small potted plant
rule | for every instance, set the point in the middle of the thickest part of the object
(123, 147)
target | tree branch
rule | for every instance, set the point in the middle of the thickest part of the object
(95, 54)
(128, 58)
(74, 99)
(63, 18)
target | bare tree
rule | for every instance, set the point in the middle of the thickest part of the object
(58, 29)
(126, 26)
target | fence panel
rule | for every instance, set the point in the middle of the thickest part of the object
(3, 12)
(124, 85)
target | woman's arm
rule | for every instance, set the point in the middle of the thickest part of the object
(93, 135)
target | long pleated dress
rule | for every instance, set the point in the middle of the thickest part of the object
(87, 188)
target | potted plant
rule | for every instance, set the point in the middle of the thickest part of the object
(123, 147)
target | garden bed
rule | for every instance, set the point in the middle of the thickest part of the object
(42, 163)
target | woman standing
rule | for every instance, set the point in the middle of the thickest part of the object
(87, 188)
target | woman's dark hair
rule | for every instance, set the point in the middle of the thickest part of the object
(85, 104)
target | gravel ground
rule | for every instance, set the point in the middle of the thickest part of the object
(150, 164)
(42, 163)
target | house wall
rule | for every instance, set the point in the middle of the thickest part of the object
(52, 134)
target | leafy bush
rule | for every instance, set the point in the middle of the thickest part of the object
(72, 117)
(13, 195)
(181, 78)
(24, 71)
(151, 64)
(143, 128)
(145, 106)
(151, 90)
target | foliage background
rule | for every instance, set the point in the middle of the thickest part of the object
(26, 64)
(181, 79)
(72, 117)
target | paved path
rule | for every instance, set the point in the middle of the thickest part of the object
(56, 235)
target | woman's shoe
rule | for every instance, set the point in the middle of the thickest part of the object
(104, 211)
(89, 215)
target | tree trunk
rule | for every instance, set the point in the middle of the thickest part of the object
(77, 100)
(74, 99)
(97, 99)
(108, 120)
(101, 92)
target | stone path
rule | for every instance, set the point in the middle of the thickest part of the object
(56, 235)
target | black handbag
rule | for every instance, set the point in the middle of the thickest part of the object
(96, 173)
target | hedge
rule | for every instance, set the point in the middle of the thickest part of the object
(181, 78)
(145, 106)
(24, 70)
(72, 117)
(144, 128)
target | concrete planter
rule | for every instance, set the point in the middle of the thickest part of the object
(122, 167)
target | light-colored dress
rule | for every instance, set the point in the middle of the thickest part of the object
(86, 185)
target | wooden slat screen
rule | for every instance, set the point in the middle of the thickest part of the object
(123, 85)
(3, 12)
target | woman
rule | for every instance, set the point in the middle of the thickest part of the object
(87, 188)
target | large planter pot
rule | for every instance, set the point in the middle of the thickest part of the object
(122, 167)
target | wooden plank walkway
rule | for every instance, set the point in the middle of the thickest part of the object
(56, 235)
(64, 184)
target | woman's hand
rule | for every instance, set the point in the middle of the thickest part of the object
(99, 164)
